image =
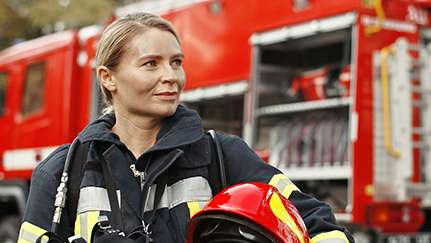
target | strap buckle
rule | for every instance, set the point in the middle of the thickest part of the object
(106, 226)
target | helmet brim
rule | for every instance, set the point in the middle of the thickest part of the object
(201, 225)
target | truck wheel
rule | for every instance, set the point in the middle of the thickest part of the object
(9, 228)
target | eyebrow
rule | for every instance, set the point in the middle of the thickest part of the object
(178, 55)
(153, 56)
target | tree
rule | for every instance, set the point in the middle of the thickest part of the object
(14, 24)
(27, 19)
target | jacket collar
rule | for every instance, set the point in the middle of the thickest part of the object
(182, 128)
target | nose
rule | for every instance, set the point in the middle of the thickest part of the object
(169, 75)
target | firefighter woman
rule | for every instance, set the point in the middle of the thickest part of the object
(144, 134)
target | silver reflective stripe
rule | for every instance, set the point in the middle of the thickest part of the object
(84, 226)
(30, 232)
(95, 199)
(187, 190)
(332, 240)
(202, 205)
(330, 237)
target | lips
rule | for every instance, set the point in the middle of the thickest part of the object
(168, 95)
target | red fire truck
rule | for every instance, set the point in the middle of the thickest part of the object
(334, 93)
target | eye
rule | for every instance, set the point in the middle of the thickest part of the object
(177, 62)
(150, 64)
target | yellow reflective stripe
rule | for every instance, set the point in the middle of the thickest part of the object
(288, 190)
(283, 184)
(84, 224)
(195, 207)
(30, 232)
(280, 211)
(78, 225)
(330, 237)
(26, 241)
(92, 220)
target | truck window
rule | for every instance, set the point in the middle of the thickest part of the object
(32, 98)
(221, 114)
(3, 81)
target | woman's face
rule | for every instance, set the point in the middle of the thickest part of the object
(150, 77)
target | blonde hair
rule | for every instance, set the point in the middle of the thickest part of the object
(115, 39)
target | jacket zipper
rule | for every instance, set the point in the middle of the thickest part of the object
(141, 174)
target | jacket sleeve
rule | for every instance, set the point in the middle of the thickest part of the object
(40, 204)
(244, 165)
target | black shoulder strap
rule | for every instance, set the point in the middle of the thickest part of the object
(148, 229)
(216, 172)
(75, 178)
(112, 194)
(53, 238)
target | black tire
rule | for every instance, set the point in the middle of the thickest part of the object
(9, 229)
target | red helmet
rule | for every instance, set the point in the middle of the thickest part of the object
(248, 212)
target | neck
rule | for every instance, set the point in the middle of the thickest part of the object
(137, 136)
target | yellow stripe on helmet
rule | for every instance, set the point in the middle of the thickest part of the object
(280, 211)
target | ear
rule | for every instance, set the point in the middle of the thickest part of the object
(107, 78)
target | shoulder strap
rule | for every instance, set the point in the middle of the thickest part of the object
(148, 229)
(75, 178)
(217, 172)
(112, 194)
(53, 238)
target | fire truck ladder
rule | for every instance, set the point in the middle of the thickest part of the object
(401, 87)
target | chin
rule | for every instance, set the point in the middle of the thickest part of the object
(169, 111)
